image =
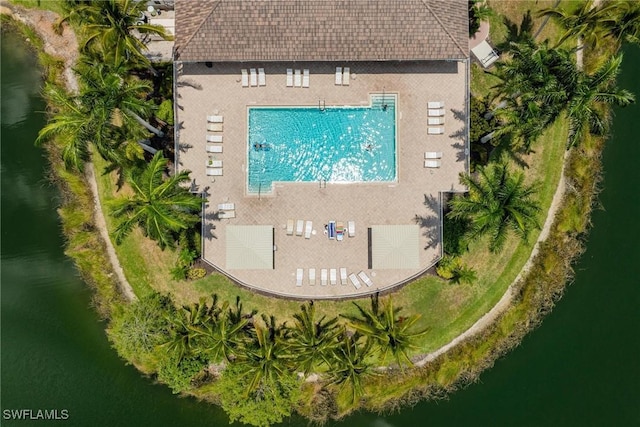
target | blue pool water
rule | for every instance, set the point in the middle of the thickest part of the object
(335, 144)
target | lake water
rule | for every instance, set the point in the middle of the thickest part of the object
(580, 368)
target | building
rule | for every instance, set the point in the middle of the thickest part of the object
(244, 71)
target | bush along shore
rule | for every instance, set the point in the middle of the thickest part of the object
(320, 367)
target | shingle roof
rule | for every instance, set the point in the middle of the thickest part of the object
(321, 30)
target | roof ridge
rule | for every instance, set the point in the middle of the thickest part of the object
(444, 27)
(195, 31)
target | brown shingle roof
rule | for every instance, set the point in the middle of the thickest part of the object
(321, 30)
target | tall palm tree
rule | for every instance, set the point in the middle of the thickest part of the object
(349, 365)
(265, 358)
(77, 126)
(182, 333)
(312, 340)
(224, 330)
(121, 97)
(161, 207)
(111, 27)
(536, 84)
(592, 93)
(586, 21)
(626, 25)
(388, 332)
(498, 201)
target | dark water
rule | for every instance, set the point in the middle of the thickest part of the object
(579, 369)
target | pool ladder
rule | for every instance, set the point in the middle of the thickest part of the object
(322, 183)
(321, 105)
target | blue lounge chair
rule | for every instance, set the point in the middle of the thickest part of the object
(331, 229)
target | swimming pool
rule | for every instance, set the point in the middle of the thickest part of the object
(334, 144)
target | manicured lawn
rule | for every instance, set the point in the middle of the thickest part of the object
(52, 5)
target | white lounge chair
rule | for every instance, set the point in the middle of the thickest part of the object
(262, 78)
(307, 230)
(351, 226)
(323, 277)
(212, 163)
(226, 214)
(435, 104)
(215, 119)
(297, 78)
(345, 77)
(435, 131)
(435, 112)
(362, 275)
(305, 77)
(289, 227)
(289, 77)
(227, 207)
(338, 75)
(433, 155)
(343, 276)
(299, 275)
(312, 276)
(214, 138)
(299, 227)
(333, 276)
(214, 148)
(245, 78)
(435, 121)
(355, 281)
(253, 77)
(214, 171)
(432, 163)
(214, 127)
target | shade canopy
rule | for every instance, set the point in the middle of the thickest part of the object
(250, 247)
(395, 246)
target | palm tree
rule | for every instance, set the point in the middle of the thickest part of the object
(76, 126)
(592, 93)
(349, 365)
(586, 21)
(223, 331)
(626, 25)
(122, 99)
(182, 333)
(311, 340)
(498, 201)
(110, 27)
(161, 207)
(387, 331)
(265, 358)
(536, 85)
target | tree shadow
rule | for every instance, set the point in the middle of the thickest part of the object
(430, 222)
(515, 33)
(461, 135)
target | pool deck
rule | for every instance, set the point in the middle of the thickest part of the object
(414, 198)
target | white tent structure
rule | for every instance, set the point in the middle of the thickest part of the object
(249, 247)
(485, 54)
(395, 246)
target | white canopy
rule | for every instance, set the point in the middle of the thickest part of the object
(249, 247)
(395, 246)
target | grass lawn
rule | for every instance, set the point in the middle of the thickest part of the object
(52, 5)
(447, 310)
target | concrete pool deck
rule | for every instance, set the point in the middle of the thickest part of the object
(217, 90)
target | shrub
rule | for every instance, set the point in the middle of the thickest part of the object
(165, 111)
(196, 273)
(445, 266)
(178, 374)
(269, 404)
